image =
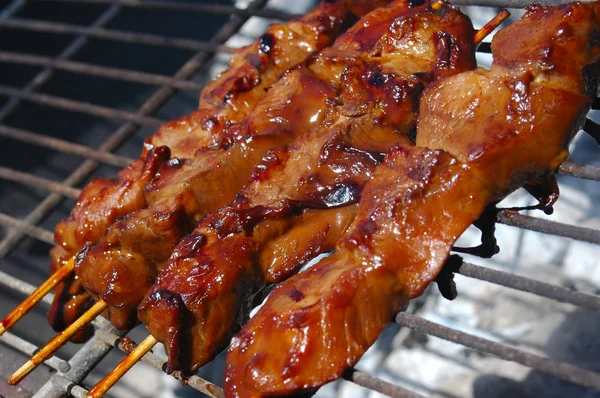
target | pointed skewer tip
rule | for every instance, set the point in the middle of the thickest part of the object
(58, 341)
(491, 25)
(123, 367)
(36, 296)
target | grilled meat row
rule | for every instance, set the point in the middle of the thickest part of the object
(481, 135)
(223, 104)
(300, 198)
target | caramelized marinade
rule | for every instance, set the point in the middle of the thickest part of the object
(228, 99)
(302, 195)
(122, 265)
(481, 135)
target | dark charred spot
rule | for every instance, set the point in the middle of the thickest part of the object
(415, 3)
(190, 246)
(240, 200)
(252, 216)
(412, 134)
(443, 45)
(226, 221)
(296, 295)
(426, 77)
(245, 83)
(368, 226)
(267, 41)
(168, 298)
(273, 158)
(418, 173)
(595, 37)
(227, 97)
(377, 79)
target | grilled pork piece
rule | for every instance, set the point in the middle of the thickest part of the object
(229, 99)
(136, 247)
(299, 195)
(481, 135)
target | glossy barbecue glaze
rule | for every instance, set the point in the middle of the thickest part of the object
(229, 99)
(121, 266)
(301, 195)
(481, 135)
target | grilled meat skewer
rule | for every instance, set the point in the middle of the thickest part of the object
(226, 100)
(481, 135)
(302, 194)
(137, 246)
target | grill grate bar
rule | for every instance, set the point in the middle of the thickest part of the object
(115, 35)
(81, 365)
(127, 346)
(515, 219)
(29, 349)
(125, 131)
(63, 146)
(528, 285)
(192, 7)
(373, 383)
(68, 52)
(38, 182)
(22, 287)
(557, 369)
(97, 70)
(580, 171)
(80, 106)
(28, 229)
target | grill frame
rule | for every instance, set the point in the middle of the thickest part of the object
(70, 373)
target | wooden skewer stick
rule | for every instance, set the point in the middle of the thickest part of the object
(438, 4)
(123, 367)
(490, 26)
(36, 296)
(58, 341)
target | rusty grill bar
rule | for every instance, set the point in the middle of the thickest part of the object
(71, 373)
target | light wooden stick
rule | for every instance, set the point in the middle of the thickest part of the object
(123, 367)
(58, 341)
(36, 296)
(490, 26)
(438, 4)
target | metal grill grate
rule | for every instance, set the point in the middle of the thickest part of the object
(126, 125)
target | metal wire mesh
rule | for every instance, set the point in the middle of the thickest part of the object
(126, 123)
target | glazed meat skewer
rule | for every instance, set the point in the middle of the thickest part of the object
(205, 348)
(481, 135)
(229, 99)
(122, 266)
(204, 294)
